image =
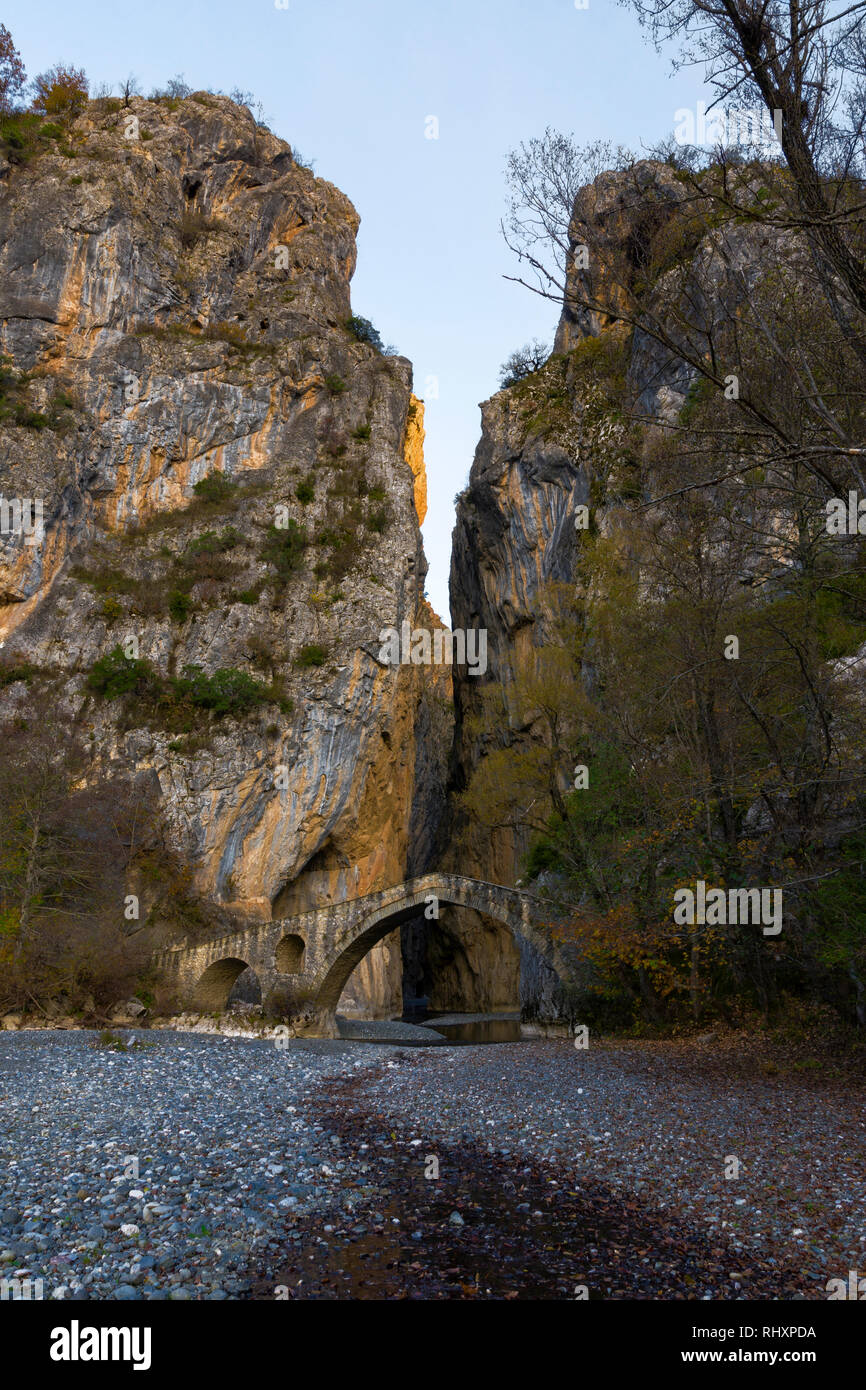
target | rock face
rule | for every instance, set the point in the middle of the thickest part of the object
(547, 445)
(414, 455)
(621, 214)
(514, 533)
(174, 295)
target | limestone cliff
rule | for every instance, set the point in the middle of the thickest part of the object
(230, 481)
(414, 455)
(623, 471)
(549, 444)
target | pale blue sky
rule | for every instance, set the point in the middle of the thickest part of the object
(351, 83)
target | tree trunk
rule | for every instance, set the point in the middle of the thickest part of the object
(30, 880)
(694, 989)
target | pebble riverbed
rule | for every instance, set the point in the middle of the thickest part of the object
(216, 1134)
(304, 1171)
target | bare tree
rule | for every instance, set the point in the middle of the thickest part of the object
(545, 175)
(806, 61)
(178, 88)
(129, 88)
(523, 362)
(661, 250)
(69, 842)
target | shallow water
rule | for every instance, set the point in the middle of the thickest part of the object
(488, 1030)
(421, 1029)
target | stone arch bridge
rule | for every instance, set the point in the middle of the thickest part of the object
(304, 962)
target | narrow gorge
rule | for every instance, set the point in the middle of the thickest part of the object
(230, 481)
(355, 950)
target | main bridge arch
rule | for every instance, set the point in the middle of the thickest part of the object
(304, 962)
(509, 906)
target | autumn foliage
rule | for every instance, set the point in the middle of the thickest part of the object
(12, 74)
(61, 91)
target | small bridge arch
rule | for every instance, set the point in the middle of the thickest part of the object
(214, 985)
(289, 955)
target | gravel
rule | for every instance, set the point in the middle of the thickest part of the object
(658, 1122)
(198, 1167)
(225, 1151)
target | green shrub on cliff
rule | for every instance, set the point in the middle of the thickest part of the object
(227, 691)
(215, 487)
(118, 674)
(14, 408)
(164, 701)
(522, 363)
(179, 605)
(311, 655)
(107, 580)
(364, 331)
(19, 671)
(213, 543)
(112, 608)
(284, 548)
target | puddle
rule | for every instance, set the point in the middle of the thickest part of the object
(489, 1030)
(454, 1030)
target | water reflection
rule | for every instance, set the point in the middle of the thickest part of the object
(488, 1030)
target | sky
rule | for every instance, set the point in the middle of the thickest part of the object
(352, 84)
